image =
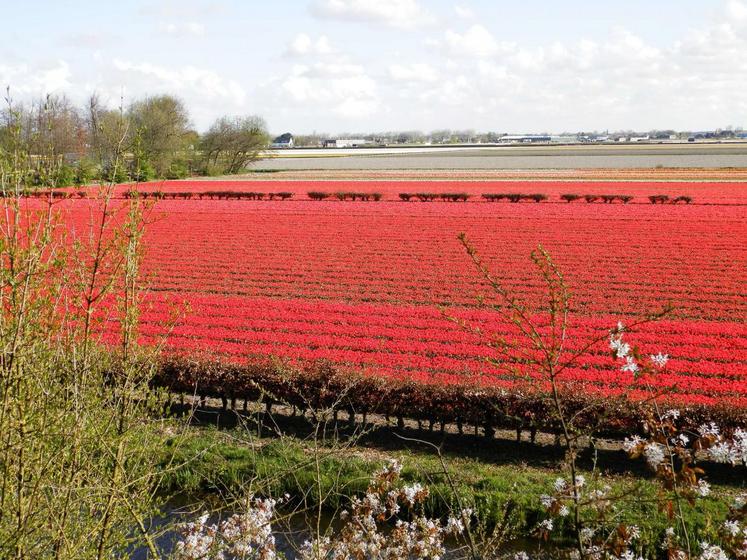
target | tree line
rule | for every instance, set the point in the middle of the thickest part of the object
(154, 133)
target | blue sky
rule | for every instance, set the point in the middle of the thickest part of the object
(372, 65)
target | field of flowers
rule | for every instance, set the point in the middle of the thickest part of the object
(370, 286)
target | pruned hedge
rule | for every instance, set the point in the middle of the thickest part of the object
(318, 195)
(349, 195)
(514, 197)
(364, 196)
(220, 195)
(324, 386)
(430, 197)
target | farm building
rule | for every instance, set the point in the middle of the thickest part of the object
(524, 138)
(283, 141)
(345, 143)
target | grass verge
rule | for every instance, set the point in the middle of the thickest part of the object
(214, 463)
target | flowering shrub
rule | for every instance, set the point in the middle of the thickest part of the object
(671, 450)
(243, 536)
(384, 524)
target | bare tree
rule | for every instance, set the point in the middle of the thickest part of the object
(232, 143)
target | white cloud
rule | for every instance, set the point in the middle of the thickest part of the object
(737, 10)
(464, 76)
(33, 80)
(88, 39)
(416, 72)
(464, 12)
(403, 14)
(476, 41)
(302, 45)
(183, 29)
(193, 9)
(620, 81)
(343, 89)
(188, 80)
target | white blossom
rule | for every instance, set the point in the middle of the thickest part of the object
(654, 454)
(711, 552)
(546, 525)
(630, 365)
(622, 349)
(631, 443)
(740, 442)
(672, 413)
(454, 526)
(560, 485)
(710, 429)
(732, 527)
(564, 511)
(410, 492)
(629, 555)
(721, 452)
(703, 489)
(659, 360)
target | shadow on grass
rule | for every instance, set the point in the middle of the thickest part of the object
(502, 450)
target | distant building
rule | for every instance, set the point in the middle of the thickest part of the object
(345, 143)
(283, 141)
(524, 138)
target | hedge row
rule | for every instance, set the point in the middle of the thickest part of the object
(429, 197)
(322, 386)
(350, 195)
(662, 199)
(606, 198)
(624, 198)
(49, 194)
(514, 197)
(347, 195)
(236, 195)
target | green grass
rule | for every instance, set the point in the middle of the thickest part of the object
(211, 462)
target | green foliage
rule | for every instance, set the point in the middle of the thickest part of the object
(179, 169)
(143, 172)
(64, 176)
(160, 132)
(115, 174)
(76, 464)
(85, 172)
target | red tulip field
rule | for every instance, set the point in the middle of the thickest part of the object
(370, 286)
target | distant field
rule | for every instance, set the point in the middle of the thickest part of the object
(517, 157)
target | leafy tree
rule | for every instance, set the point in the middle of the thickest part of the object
(162, 125)
(232, 143)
